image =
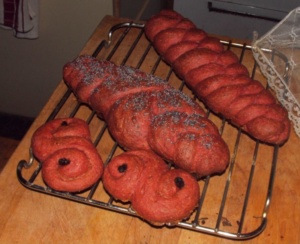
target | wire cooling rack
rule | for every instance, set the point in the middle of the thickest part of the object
(233, 205)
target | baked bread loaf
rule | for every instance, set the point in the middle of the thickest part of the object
(217, 77)
(70, 162)
(145, 112)
(157, 193)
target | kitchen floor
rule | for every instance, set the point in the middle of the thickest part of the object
(7, 147)
(12, 130)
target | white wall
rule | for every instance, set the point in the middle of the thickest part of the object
(31, 69)
(230, 25)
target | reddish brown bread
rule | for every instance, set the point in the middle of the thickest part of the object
(157, 193)
(70, 162)
(145, 112)
(217, 77)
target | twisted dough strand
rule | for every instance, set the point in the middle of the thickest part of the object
(217, 77)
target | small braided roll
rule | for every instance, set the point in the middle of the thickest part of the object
(217, 77)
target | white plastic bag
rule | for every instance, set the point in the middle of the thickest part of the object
(278, 55)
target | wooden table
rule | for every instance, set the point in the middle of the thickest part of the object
(31, 217)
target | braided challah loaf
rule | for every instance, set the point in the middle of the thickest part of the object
(217, 77)
(157, 193)
(145, 112)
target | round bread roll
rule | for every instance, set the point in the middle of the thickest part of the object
(70, 162)
(157, 193)
(73, 168)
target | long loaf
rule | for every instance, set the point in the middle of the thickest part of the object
(145, 112)
(217, 77)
